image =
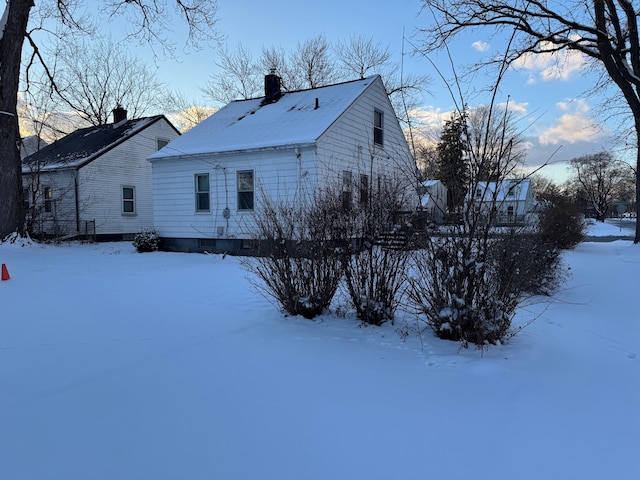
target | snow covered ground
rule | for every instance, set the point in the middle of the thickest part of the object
(117, 365)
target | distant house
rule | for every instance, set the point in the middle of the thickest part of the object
(433, 200)
(513, 200)
(208, 184)
(31, 144)
(96, 181)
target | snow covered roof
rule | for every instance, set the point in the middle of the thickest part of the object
(508, 189)
(296, 118)
(85, 144)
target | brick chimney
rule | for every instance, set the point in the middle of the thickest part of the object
(272, 92)
(119, 114)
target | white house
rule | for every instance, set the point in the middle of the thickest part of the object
(208, 183)
(513, 199)
(433, 200)
(96, 181)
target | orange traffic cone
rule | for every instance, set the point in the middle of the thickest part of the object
(5, 272)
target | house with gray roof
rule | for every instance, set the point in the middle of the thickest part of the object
(95, 182)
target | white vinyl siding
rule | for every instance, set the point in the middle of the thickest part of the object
(100, 183)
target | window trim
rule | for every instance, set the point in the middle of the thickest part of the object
(378, 127)
(131, 200)
(245, 191)
(198, 193)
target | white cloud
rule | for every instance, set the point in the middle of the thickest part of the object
(430, 116)
(516, 107)
(480, 46)
(559, 65)
(574, 125)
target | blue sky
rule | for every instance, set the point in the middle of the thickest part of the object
(558, 120)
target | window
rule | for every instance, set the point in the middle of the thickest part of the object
(203, 203)
(47, 195)
(510, 211)
(347, 177)
(364, 189)
(378, 127)
(245, 190)
(128, 200)
(161, 143)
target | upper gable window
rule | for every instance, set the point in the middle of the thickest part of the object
(378, 127)
(161, 143)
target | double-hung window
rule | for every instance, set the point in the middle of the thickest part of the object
(347, 182)
(203, 192)
(364, 189)
(128, 200)
(378, 127)
(245, 190)
(47, 195)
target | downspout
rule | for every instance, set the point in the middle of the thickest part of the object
(77, 201)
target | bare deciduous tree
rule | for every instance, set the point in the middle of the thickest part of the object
(597, 176)
(604, 31)
(185, 113)
(360, 56)
(240, 79)
(94, 78)
(312, 63)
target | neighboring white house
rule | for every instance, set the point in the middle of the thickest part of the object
(208, 183)
(513, 200)
(96, 181)
(433, 200)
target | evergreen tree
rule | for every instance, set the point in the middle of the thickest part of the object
(452, 168)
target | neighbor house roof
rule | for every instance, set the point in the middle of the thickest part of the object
(86, 144)
(30, 145)
(296, 118)
(508, 189)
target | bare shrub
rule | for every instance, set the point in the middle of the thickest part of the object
(299, 264)
(460, 291)
(462, 288)
(526, 262)
(374, 274)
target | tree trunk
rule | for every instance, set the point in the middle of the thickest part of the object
(637, 237)
(11, 43)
